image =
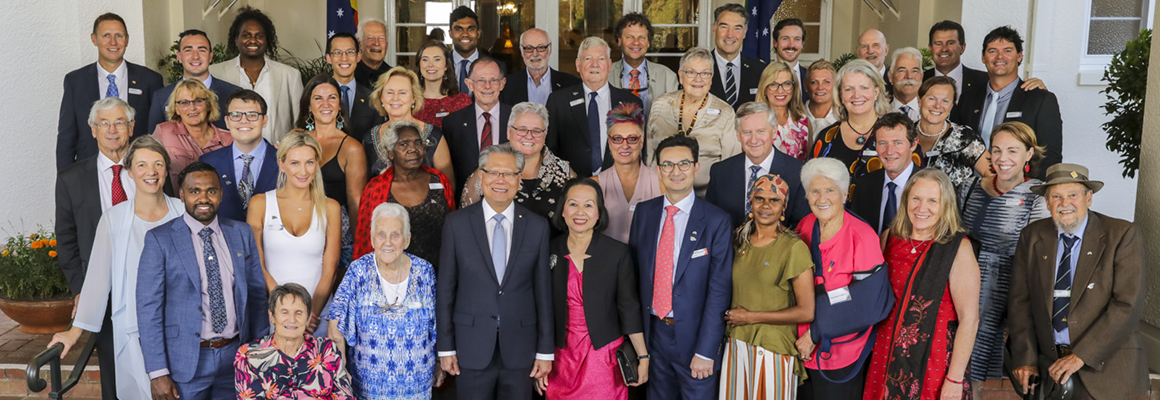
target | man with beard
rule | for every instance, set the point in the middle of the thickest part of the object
(876, 196)
(465, 39)
(906, 72)
(539, 80)
(947, 47)
(646, 79)
(789, 35)
(372, 35)
(872, 47)
(200, 294)
(342, 53)
(194, 52)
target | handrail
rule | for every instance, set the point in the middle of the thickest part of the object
(51, 357)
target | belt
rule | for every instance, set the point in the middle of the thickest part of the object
(1062, 350)
(668, 321)
(217, 343)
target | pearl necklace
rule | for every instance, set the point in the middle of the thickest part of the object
(944, 130)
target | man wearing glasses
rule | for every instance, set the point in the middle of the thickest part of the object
(465, 40)
(539, 80)
(195, 53)
(343, 56)
(474, 128)
(646, 79)
(250, 165)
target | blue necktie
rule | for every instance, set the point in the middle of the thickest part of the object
(891, 207)
(463, 76)
(112, 90)
(499, 248)
(594, 133)
(1059, 304)
(988, 123)
(346, 99)
(749, 187)
(730, 85)
(213, 277)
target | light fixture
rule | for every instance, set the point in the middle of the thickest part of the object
(506, 9)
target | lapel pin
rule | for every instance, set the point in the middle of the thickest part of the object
(239, 254)
(362, 100)
(1091, 286)
(694, 232)
(134, 82)
(1044, 257)
(1089, 253)
(229, 183)
(223, 175)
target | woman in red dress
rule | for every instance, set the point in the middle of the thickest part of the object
(440, 88)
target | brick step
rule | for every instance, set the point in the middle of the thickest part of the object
(13, 384)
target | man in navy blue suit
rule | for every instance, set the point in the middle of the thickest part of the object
(250, 165)
(682, 246)
(195, 53)
(110, 76)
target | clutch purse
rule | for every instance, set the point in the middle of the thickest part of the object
(628, 363)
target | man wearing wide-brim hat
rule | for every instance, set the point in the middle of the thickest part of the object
(1076, 294)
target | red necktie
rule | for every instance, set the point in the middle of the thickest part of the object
(485, 138)
(634, 83)
(662, 302)
(118, 190)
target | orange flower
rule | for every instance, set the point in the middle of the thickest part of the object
(34, 236)
(36, 245)
(52, 253)
(52, 242)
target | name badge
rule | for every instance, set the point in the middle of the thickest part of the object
(1014, 114)
(753, 91)
(870, 153)
(274, 226)
(632, 208)
(1062, 293)
(700, 253)
(839, 295)
(930, 154)
(1013, 202)
(134, 91)
(441, 115)
(576, 102)
(413, 304)
(433, 186)
(713, 111)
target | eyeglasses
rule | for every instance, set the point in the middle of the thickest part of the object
(783, 86)
(487, 82)
(340, 53)
(684, 165)
(541, 48)
(536, 133)
(498, 174)
(703, 75)
(195, 102)
(621, 139)
(236, 116)
(120, 124)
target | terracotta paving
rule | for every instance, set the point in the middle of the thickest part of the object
(18, 348)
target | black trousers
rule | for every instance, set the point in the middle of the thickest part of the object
(106, 355)
(818, 388)
(496, 381)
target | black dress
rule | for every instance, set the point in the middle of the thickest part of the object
(334, 183)
(427, 223)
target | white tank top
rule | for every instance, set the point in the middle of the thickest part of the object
(290, 258)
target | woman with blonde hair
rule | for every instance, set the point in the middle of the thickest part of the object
(398, 95)
(862, 95)
(189, 133)
(778, 88)
(820, 87)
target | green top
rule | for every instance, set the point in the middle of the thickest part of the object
(761, 282)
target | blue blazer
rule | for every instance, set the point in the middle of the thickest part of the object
(223, 161)
(220, 87)
(704, 285)
(74, 138)
(169, 295)
(727, 186)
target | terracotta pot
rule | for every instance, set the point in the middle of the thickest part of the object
(39, 317)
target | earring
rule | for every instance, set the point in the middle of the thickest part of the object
(992, 168)
(340, 121)
(1027, 168)
(783, 217)
(310, 121)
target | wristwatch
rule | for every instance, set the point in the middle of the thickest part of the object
(642, 357)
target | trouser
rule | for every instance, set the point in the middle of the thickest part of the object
(818, 388)
(669, 375)
(106, 355)
(214, 377)
(496, 381)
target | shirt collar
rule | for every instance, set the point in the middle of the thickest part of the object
(196, 226)
(767, 163)
(265, 64)
(957, 72)
(260, 149)
(643, 68)
(913, 103)
(479, 110)
(457, 58)
(721, 60)
(489, 213)
(207, 82)
(601, 93)
(685, 204)
(104, 163)
(902, 178)
(545, 80)
(1006, 91)
(120, 71)
(1082, 227)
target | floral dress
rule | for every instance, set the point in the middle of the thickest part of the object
(956, 154)
(318, 371)
(539, 195)
(792, 138)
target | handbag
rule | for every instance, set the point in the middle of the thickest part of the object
(628, 362)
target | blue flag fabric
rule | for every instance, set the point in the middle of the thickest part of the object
(341, 16)
(757, 39)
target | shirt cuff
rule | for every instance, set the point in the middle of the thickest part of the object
(545, 357)
(702, 357)
(446, 353)
(158, 373)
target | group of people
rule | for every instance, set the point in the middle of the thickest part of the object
(734, 229)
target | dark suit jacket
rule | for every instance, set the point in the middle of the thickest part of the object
(703, 287)
(611, 302)
(74, 138)
(459, 130)
(515, 91)
(751, 69)
(220, 87)
(1105, 308)
(568, 126)
(503, 67)
(78, 209)
(1037, 108)
(471, 302)
(366, 76)
(363, 117)
(727, 186)
(803, 79)
(223, 161)
(866, 197)
(972, 78)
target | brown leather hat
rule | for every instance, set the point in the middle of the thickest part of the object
(1067, 173)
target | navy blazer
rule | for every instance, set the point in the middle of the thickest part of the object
(866, 197)
(750, 78)
(363, 117)
(74, 138)
(78, 210)
(803, 79)
(471, 302)
(459, 130)
(1038, 108)
(169, 310)
(728, 182)
(223, 161)
(568, 126)
(703, 288)
(515, 91)
(223, 90)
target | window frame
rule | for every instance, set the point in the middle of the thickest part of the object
(1101, 61)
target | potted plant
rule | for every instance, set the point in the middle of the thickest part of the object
(33, 290)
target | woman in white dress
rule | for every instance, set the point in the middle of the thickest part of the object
(298, 229)
(112, 270)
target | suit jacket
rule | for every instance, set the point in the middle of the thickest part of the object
(169, 295)
(515, 91)
(223, 161)
(751, 69)
(78, 210)
(703, 286)
(363, 117)
(286, 91)
(471, 302)
(972, 78)
(1037, 108)
(866, 197)
(568, 126)
(158, 110)
(803, 79)
(611, 302)
(460, 132)
(661, 79)
(1105, 308)
(74, 138)
(728, 183)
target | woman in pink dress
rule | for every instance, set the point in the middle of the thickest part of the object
(188, 134)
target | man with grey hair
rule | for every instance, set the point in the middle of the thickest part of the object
(473, 128)
(872, 47)
(494, 302)
(731, 178)
(906, 73)
(578, 131)
(735, 75)
(539, 79)
(372, 36)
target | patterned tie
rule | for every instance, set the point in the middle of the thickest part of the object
(463, 77)
(346, 98)
(118, 190)
(112, 90)
(1063, 281)
(905, 110)
(662, 302)
(730, 85)
(989, 117)
(485, 137)
(749, 187)
(891, 208)
(634, 82)
(246, 185)
(597, 149)
(213, 277)
(499, 247)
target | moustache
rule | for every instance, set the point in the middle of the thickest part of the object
(908, 82)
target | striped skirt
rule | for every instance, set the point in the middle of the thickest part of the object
(754, 373)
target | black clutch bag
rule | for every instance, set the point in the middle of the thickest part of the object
(628, 363)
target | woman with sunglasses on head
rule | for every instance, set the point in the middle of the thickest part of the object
(188, 134)
(629, 181)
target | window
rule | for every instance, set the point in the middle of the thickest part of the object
(411, 23)
(1110, 25)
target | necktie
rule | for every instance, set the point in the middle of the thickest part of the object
(112, 90)
(1059, 304)
(118, 190)
(346, 98)
(463, 76)
(213, 277)
(891, 209)
(634, 82)
(749, 187)
(905, 110)
(597, 148)
(485, 137)
(730, 85)
(662, 302)
(499, 247)
(246, 185)
(989, 117)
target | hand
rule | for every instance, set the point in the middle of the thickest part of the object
(805, 346)
(738, 317)
(1062, 369)
(312, 325)
(701, 367)
(951, 391)
(67, 338)
(335, 336)
(540, 372)
(76, 302)
(1023, 375)
(163, 388)
(450, 364)
(1032, 84)
(641, 373)
(541, 386)
(439, 376)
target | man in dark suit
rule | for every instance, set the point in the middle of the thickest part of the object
(681, 245)
(873, 48)
(200, 294)
(110, 76)
(789, 36)
(1083, 329)
(947, 46)
(539, 80)
(577, 127)
(494, 300)
(195, 53)
(735, 75)
(343, 56)
(731, 178)
(250, 165)
(876, 196)
(984, 107)
(372, 36)
(484, 123)
(84, 191)
(465, 40)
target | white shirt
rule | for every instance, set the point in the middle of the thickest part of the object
(817, 124)
(721, 65)
(603, 105)
(264, 87)
(105, 179)
(121, 74)
(765, 165)
(495, 132)
(900, 183)
(796, 71)
(913, 113)
(393, 292)
(957, 75)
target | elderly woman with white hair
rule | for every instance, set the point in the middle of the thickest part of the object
(692, 111)
(384, 311)
(862, 99)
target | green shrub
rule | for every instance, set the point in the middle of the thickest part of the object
(1127, 78)
(29, 269)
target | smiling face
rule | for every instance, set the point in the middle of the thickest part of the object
(243, 130)
(325, 102)
(906, 74)
(148, 171)
(825, 198)
(111, 40)
(728, 33)
(251, 40)
(677, 183)
(936, 106)
(500, 190)
(858, 94)
(821, 86)
(112, 140)
(195, 54)
(1001, 58)
(625, 153)
(768, 206)
(486, 83)
(696, 86)
(202, 193)
(465, 35)
(290, 319)
(523, 134)
(300, 166)
(781, 90)
(1009, 156)
(1069, 203)
(194, 113)
(389, 239)
(789, 43)
(593, 65)
(633, 42)
(342, 63)
(946, 47)
(536, 60)
(432, 64)
(409, 151)
(398, 97)
(923, 206)
(872, 47)
(581, 212)
(374, 43)
(756, 136)
(894, 149)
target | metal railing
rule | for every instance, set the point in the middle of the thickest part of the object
(51, 358)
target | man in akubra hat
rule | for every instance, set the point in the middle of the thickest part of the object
(1076, 295)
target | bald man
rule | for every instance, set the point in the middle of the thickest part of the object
(872, 47)
(538, 80)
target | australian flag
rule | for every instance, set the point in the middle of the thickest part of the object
(758, 37)
(341, 16)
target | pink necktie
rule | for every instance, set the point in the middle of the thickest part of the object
(663, 279)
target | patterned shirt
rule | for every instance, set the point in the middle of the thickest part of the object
(263, 371)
